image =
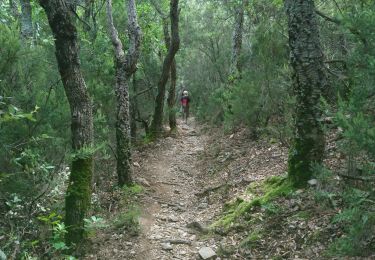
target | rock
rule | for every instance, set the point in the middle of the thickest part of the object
(198, 227)
(166, 246)
(136, 164)
(173, 219)
(207, 253)
(143, 182)
(2, 255)
(313, 182)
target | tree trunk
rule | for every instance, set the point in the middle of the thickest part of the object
(309, 80)
(125, 67)
(172, 97)
(78, 196)
(134, 108)
(172, 88)
(235, 71)
(26, 20)
(157, 122)
(13, 8)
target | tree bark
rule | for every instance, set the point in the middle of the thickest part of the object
(172, 87)
(26, 20)
(125, 66)
(157, 122)
(78, 196)
(235, 71)
(309, 80)
(133, 110)
(172, 97)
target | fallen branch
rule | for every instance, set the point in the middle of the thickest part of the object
(178, 241)
(357, 178)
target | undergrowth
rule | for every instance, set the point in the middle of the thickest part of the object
(270, 189)
(128, 219)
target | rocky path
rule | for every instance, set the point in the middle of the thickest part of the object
(171, 205)
(172, 217)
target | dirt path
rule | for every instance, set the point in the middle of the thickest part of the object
(168, 170)
(170, 204)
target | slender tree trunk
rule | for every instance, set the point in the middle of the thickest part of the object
(26, 20)
(125, 67)
(235, 70)
(309, 80)
(157, 122)
(78, 196)
(172, 87)
(172, 97)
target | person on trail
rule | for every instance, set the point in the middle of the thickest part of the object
(185, 102)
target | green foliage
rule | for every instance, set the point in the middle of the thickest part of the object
(58, 231)
(128, 221)
(357, 220)
(93, 224)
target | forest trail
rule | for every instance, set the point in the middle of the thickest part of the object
(168, 171)
(170, 205)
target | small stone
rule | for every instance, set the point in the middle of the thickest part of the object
(313, 182)
(129, 243)
(115, 250)
(207, 253)
(132, 252)
(173, 219)
(136, 164)
(166, 246)
(143, 182)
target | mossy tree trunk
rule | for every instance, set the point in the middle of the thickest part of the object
(157, 120)
(78, 196)
(309, 79)
(125, 66)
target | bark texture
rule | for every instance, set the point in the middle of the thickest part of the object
(309, 80)
(125, 66)
(26, 20)
(157, 121)
(235, 71)
(172, 97)
(172, 87)
(78, 196)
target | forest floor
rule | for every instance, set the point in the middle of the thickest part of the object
(188, 180)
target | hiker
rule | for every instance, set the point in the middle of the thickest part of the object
(185, 101)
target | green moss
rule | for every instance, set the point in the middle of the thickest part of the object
(149, 138)
(303, 215)
(251, 239)
(271, 188)
(77, 200)
(302, 156)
